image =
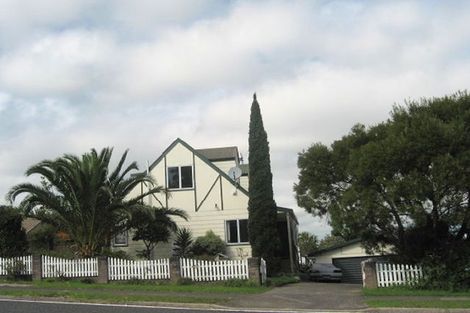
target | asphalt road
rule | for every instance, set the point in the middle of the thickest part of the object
(25, 306)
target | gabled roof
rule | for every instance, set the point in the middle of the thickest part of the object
(220, 154)
(202, 157)
(29, 224)
(338, 246)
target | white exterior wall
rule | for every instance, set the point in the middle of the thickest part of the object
(349, 251)
(207, 208)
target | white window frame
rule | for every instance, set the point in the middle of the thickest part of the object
(227, 232)
(180, 177)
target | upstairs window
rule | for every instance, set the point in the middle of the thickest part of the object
(180, 177)
(237, 231)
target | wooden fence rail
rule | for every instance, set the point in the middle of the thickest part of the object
(397, 274)
(57, 267)
(23, 263)
(120, 269)
(201, 270)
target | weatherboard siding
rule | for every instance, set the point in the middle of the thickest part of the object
(209, 204)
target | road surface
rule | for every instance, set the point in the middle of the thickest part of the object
(28, 306)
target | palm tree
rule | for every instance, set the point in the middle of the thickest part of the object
(154, 226)
(84, 198)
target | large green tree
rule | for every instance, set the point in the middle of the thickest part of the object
(12, 236)
(307, 242)
(262, 222)
(84, 197)
(154, 226)
(404, 182)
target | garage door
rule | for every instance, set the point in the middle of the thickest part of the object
(351, 267)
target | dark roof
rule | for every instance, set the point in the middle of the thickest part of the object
(245, 169)
(288, 211)
(338, 246)
(220, 154)
(202, 157)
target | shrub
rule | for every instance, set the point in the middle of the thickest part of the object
(12, 236)
(208, 245)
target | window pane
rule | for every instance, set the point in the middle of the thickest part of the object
(173, 177)
(232, 232)
(121, 239)
(243, 230)
(186, 177)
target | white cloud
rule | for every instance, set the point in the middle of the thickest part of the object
(82, 74)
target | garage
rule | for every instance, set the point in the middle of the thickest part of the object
(348, 257)
(351, 268)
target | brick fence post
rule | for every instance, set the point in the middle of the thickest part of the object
(253, 270)
(175, 270)
(37, 267)
(102, 270)
(369, 274)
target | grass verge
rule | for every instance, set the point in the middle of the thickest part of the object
(439, 304)
(152, 286)
(412, 292)
(90, 295)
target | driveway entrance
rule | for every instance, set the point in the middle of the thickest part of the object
(306, 295)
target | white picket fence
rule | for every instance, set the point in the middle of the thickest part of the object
(119, 269)
(25, 261)
(57, 267)
(397, 274)
(201, 270)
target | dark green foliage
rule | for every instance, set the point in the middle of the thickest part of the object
(307, 242)
(183, 243)
(330, 241)
(208, 245)
(262, 221)
(404, 182)
(42, 238)
(153, 226)
(84, 198)
(12, 236)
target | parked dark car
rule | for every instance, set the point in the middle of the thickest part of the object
(325, 272)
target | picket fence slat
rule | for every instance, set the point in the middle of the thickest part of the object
(203, 270)
(119, 269)
(53, 267)
(25, 264)
(397, 274)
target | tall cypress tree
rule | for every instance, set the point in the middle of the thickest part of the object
(262, 222)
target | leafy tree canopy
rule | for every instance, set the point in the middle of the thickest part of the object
(307, 242)
(404, 182)
(154, 226)
(84, 198)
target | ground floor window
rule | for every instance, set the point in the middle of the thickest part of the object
(120, 239)
(237, 231)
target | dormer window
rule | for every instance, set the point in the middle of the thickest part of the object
(180, 177)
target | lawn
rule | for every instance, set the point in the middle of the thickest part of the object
(126, 292)
(405, 297)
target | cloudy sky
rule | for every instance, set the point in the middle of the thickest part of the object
(136, 74)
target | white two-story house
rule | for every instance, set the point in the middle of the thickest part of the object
(198, 182)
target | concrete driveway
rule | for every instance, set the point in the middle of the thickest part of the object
(305, 296)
